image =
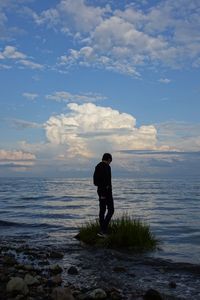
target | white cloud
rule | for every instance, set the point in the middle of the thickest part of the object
(19, 155)
(11, 53)
(89, 129)
(30, 96)
(129, 38)
(164, 80)
(4, 67)
(87, 57)
(22, 124)
(68, 97)
(71, 16)
(30, 64)
(180, 136)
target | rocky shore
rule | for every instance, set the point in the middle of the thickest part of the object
(81, 273)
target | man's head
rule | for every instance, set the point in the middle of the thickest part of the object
(107, 157)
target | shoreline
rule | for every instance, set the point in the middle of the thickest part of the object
(82, 270)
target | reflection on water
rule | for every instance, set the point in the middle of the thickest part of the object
(59, 206)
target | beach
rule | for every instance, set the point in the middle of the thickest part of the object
(83, 272)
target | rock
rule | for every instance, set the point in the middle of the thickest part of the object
(9, 260)
(115, 294)
(30, 280)
(19, 297)
(61, 293)
(56, 280)
(172, 284)
(97, 294)
(119, 269)
(56, 269)
(17, 284)
(152, 294)
(56, 254)
(40, 289)
(72, 271)
(28, 267)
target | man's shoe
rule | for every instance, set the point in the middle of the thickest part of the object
(102, 235)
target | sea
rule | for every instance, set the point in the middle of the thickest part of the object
(51, 210)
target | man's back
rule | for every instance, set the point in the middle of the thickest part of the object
(102, 175)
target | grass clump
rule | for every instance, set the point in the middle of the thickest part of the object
(124, 232)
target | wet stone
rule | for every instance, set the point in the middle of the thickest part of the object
(55, 269)
(56, 254)
(61, 293)
(72, 271)
(172, 284)
(97, 294)
(152, 294)
(119, 269)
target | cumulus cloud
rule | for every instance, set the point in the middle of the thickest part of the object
(72, 16)
(89, 129)
(128, 38)
(11, 53)
(68, 97)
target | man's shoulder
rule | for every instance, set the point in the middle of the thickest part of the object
(98, 165)
(102, 164)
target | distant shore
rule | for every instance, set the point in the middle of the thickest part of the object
(31, 272)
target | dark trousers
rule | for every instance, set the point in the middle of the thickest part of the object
(105, 203)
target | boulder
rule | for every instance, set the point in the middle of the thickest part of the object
(17, 284)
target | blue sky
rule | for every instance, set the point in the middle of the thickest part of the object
(80, 78)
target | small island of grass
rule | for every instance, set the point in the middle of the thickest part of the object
(124, 233)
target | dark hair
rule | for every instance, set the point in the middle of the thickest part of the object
(107, 156)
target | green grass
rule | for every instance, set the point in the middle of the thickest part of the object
(124, 233)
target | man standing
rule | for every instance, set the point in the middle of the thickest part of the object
(102, 179)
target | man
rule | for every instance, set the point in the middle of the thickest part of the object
(102, 179)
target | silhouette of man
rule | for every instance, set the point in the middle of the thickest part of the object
(102, 179)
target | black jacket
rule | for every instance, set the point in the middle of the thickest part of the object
(102, 176)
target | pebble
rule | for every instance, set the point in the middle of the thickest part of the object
(30, 280)
(56, 269)
(61, 293)
(56, 280)
(97, 294)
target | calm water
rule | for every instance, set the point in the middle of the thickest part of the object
(49, 210)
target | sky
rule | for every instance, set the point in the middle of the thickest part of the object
(82, 77)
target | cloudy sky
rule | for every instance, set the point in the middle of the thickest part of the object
(83, 77)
